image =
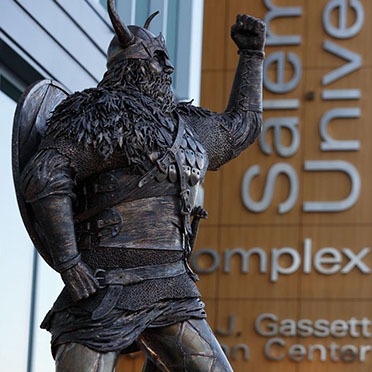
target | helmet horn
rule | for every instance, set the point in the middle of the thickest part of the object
(123, 33)
(148, 20)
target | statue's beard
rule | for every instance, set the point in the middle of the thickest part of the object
(138, 74)
(157, 86)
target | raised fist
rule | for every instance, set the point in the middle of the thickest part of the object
(248, 32)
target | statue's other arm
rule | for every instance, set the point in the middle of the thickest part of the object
(47, 183)
(228, 133)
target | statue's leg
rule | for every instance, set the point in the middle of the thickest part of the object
(75, 357)
(186, 346)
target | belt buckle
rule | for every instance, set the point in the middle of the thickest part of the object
(100, 275)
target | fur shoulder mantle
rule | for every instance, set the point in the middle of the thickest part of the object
(107, 119)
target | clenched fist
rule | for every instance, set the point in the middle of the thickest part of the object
(80, 281)
(248, 32)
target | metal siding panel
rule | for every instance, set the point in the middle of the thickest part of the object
(127, 11)
(94, 21)
(189, 44)
(68, 35)
(41, 48)
(172, 29)
(196, 41)
(182, 72)
(142, 11)
(159, 24)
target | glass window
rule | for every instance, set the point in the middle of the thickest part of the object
(30, 286)
(142, 11)
(16, 252)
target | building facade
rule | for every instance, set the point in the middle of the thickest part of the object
(285, 255)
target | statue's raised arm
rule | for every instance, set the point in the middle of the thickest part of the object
(228, 133)
(248, 34)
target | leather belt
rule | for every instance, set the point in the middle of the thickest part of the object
(138, 274)
(114, 279)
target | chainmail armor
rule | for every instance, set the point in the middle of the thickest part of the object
(222, 135)
(126, 258)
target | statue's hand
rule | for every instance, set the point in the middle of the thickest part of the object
(248, 32)
(80, 281)
(199, 212)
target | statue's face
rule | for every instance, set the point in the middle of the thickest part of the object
(160, 63)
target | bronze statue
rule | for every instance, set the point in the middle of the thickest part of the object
(108, 197)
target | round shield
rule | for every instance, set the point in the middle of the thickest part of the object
(33, 110)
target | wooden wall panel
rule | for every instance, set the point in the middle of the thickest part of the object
(214, 84)
(255, 284)
(355, 284)
(214, 34)
(233, 209)
(315, 34)
(208, 240)
(341, 129)
(336, 310)
(336, 290)
(235, 327)
(212, 198)
(318, 264)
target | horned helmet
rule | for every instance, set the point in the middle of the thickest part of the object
(134, 42)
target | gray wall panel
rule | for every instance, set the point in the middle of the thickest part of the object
(92, 19)
(52, 39)
(66, 33)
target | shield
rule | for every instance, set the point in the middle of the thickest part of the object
(33, 110)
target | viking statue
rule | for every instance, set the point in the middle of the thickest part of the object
(109, 198)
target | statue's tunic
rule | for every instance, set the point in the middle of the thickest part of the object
(133, 172)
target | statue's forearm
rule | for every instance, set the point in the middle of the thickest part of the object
(47, 183)
(246, 93)
(55, 218)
